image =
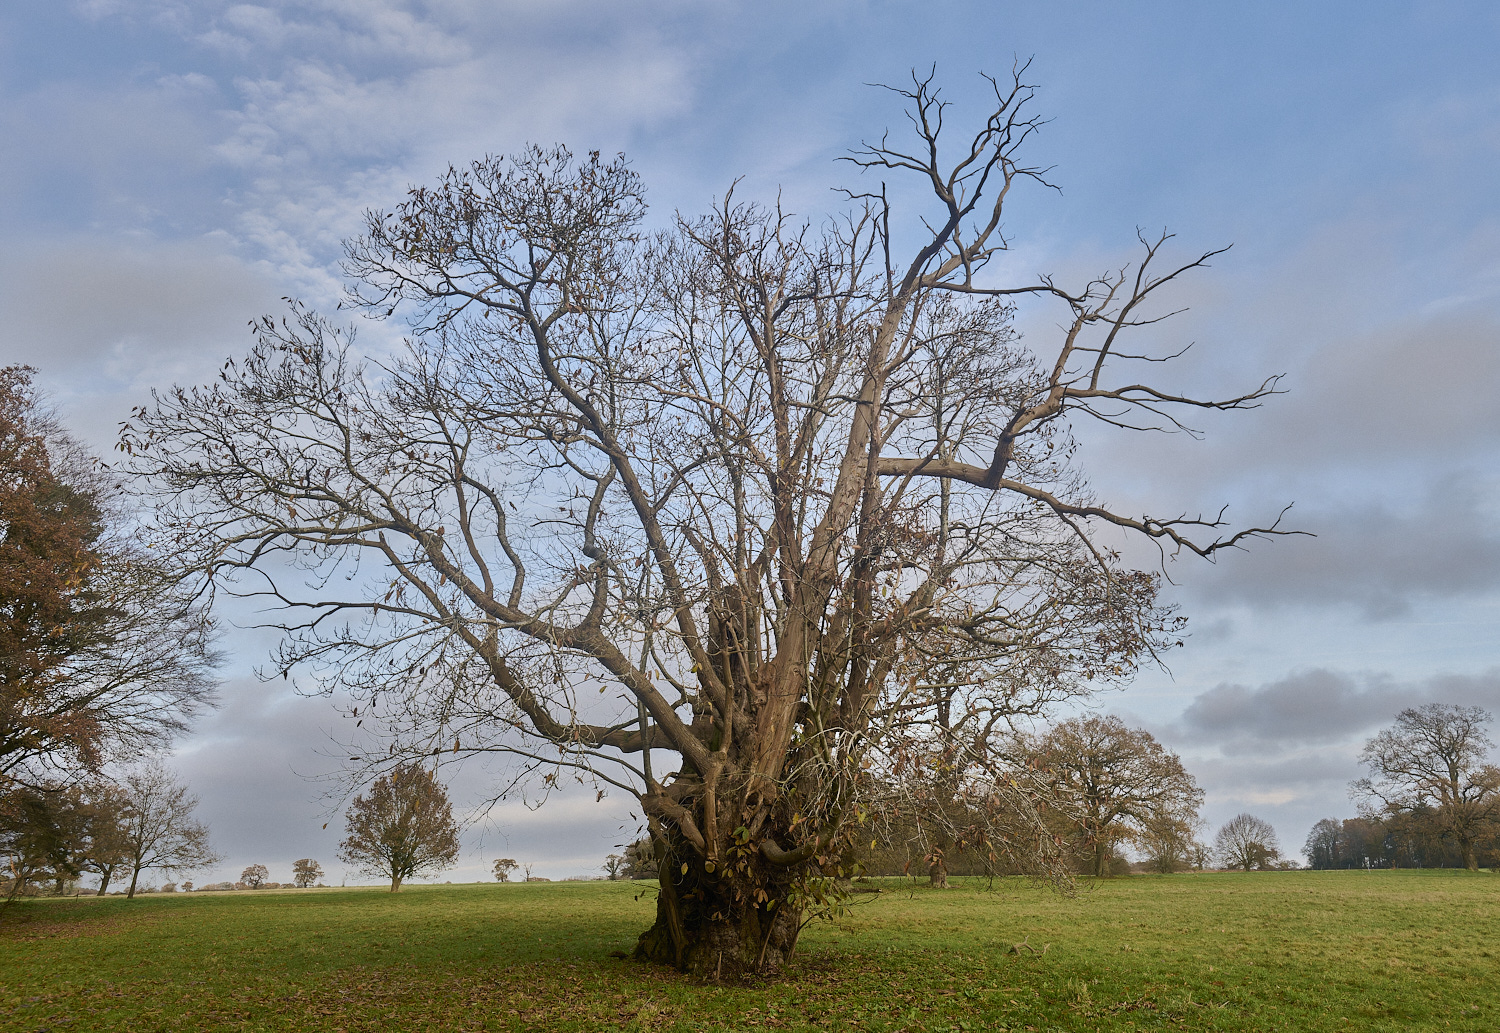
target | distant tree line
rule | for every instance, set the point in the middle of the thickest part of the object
(50, 836)
(1431, 799)
(1408, 840)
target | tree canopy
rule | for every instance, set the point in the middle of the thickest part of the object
(1125, 786)
(305, 872)
(789, 503)
(1247, 843)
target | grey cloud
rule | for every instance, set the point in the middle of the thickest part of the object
(1382, 559)
(104, 304)
(1318, 706)
(1292, 792)
(1313, 772)
(104, 321)
(1389, 380)
(1411, 391)
(134, 155)
(248, 764)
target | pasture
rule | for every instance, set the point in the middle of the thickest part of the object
(1298, 951)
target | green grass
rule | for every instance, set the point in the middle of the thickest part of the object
(1299, 951)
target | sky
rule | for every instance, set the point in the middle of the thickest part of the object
(173, 169)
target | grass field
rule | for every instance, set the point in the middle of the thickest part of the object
(1276, 951)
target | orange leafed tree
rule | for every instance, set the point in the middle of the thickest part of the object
(404, 827)
(102, 653)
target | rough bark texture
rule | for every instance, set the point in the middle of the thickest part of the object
(937, 869)
(703, 927)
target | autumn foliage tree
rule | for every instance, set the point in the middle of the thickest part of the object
(403, 828)
(102, 654)
(305, 872)
(42, 836)
(792, 504)
(1123, 786)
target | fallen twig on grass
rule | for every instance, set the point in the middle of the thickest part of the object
(1025, 944)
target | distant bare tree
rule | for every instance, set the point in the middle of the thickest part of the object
(305, 872)
(255, 876)
(1431, 764)
(614, 866)
(503, 867)
(405, 827)
(1246, 842)
(746, 492)
(160, 830)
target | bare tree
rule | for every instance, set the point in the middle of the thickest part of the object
(160, 830)
(767, 498)
(405, 827)
(305, 872)
(255, 876)
(102, 653)
(1124, 784)
(503, 867)
(957, 797)
(1432, 762)
(614, 867)
(1246, 842)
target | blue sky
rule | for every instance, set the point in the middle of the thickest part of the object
(172, 169)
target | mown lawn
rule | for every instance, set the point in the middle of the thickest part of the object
(1277, 951)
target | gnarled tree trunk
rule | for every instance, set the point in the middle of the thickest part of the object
(937, 868)
(728, 923)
